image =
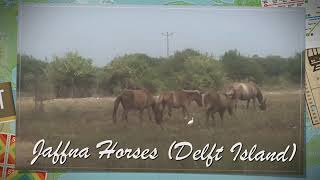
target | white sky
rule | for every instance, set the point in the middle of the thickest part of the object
(101, 33)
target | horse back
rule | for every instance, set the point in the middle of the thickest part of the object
(165, 97)
(216, 101)
(245, 91)
(143, 98)
(210, 99)
(181, 98)
(175, 98)
(136, 99)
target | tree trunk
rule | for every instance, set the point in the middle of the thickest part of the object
(36, 96)
(73, 88)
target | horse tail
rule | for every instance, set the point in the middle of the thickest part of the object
(115, 108)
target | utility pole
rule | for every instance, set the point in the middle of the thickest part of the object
(167, 34)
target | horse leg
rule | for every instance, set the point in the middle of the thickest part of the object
(163, 107)
(248, 103)
(169, 111)
(141, 116)
(125, 115)
(230, 111)
(213, 120)
(185, 112)
(235, 104)
(254, 103)
(207, 116)
(221, 113)
(149, 114)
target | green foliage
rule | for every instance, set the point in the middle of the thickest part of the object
(72, 72)
(270, 69)
(239, 68)
(179, 3)
(8, 40)
(256, 3)
(75, 76)
(33, 72)
(274, 66)
(128, 71)
(201, 72)
(296, 67)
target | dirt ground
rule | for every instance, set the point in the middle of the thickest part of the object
(87, 121)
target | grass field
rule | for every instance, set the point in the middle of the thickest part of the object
(88, 121)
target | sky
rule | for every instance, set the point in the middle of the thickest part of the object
(102, 33)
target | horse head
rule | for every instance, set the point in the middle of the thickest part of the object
(198, 98)
(195, 95)
(158, 112)
(263, 105)
(230, 92)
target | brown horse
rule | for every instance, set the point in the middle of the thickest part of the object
(138, 99)
(246, 92)
(214, 102)
(179, 99)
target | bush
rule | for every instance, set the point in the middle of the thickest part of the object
(75, 76)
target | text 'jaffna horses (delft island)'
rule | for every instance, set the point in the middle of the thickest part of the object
(179, 99)
(246, 92)
(139, 100)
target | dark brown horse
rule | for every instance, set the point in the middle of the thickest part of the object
(246, 92)
(179, 99)
(214, 102)
(138, 99)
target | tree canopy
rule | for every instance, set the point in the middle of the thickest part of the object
(73, 75)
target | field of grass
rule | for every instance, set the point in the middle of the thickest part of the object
(87, 121)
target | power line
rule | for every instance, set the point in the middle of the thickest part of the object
(167, 34)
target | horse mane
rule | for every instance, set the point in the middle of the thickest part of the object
(259, 93)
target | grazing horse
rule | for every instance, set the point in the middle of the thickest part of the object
(246, 92)
(138, 99)
(214, 102)
(179, 99)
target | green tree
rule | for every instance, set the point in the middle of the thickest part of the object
(74, 72)
(201, 72)
(129, 71)
(34, 79)
(240, 68)
(33, 72)
(274, 65)
(296, 68)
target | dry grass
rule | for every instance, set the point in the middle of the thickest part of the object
(88, 121)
